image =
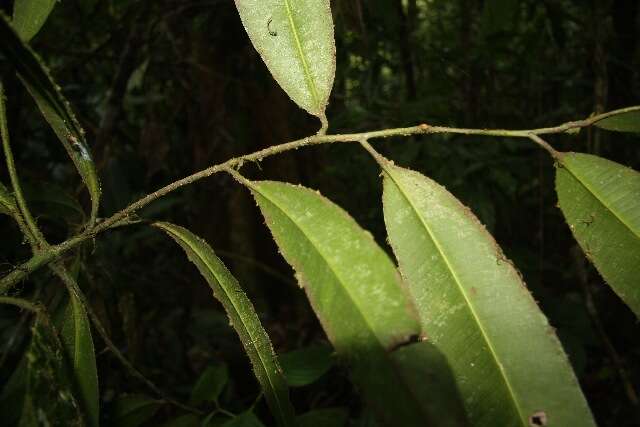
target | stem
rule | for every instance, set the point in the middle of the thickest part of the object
(74, 289)
(22, 303)
(34, 234)
(53, 252)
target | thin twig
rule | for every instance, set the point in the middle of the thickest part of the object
(54, 252)
(34, 234)
(74, 289)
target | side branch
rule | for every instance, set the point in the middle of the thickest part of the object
(54, 252)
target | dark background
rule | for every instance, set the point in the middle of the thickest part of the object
(165, 88)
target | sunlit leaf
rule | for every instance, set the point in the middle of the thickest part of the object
(30, 15)
(509, 365)
(134, 410)
(622, 122)
(75, 332)
(600, 200)
(53, 106)
(356, 293)
(210, 384)
(243, 318)
(295, 40)
(304, 366)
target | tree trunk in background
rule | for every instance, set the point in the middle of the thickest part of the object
(405, 49)
(469, 85)
(623, 67)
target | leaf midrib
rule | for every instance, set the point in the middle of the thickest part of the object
(601, 201)
(360, 312)
(307, 73)
(247, 330)
(462, 292)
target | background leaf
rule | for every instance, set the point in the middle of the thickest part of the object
(600, 200)
(246, 419)
(210, 384)
(188, 420)
(306, 365)
(476, 310)
(53, 106)
(133, 410)
(242, 317)
(330, 417)
(30, 15)
(355, 291)
(295, 40)
(624, 122)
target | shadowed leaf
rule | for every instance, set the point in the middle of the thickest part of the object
(306, 365)
(210, 384)
(76, 338)
(53, 105)
(623, 122)
(134, 410)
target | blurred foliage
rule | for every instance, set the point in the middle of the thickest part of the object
(167, 87)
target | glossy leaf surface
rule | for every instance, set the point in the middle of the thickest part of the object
(354, 290)
(509, 366)
(624, 122)
(53, 106)
(30, 15)
(295, 39)
(600, 200)
(76, 338)
(243, 317)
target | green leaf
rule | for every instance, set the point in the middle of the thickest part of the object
(76, 338)
(295, 40)
(188, 420)
(354, 290)
(600, 200)
(305, 366)
(49, 399)
(210, 384)
(246, 419)
(243, 318)
(53, 106)
(628, 121)
(330, 417)
(133, 410)
(475, 309)
(7, 202)
(30, 15)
